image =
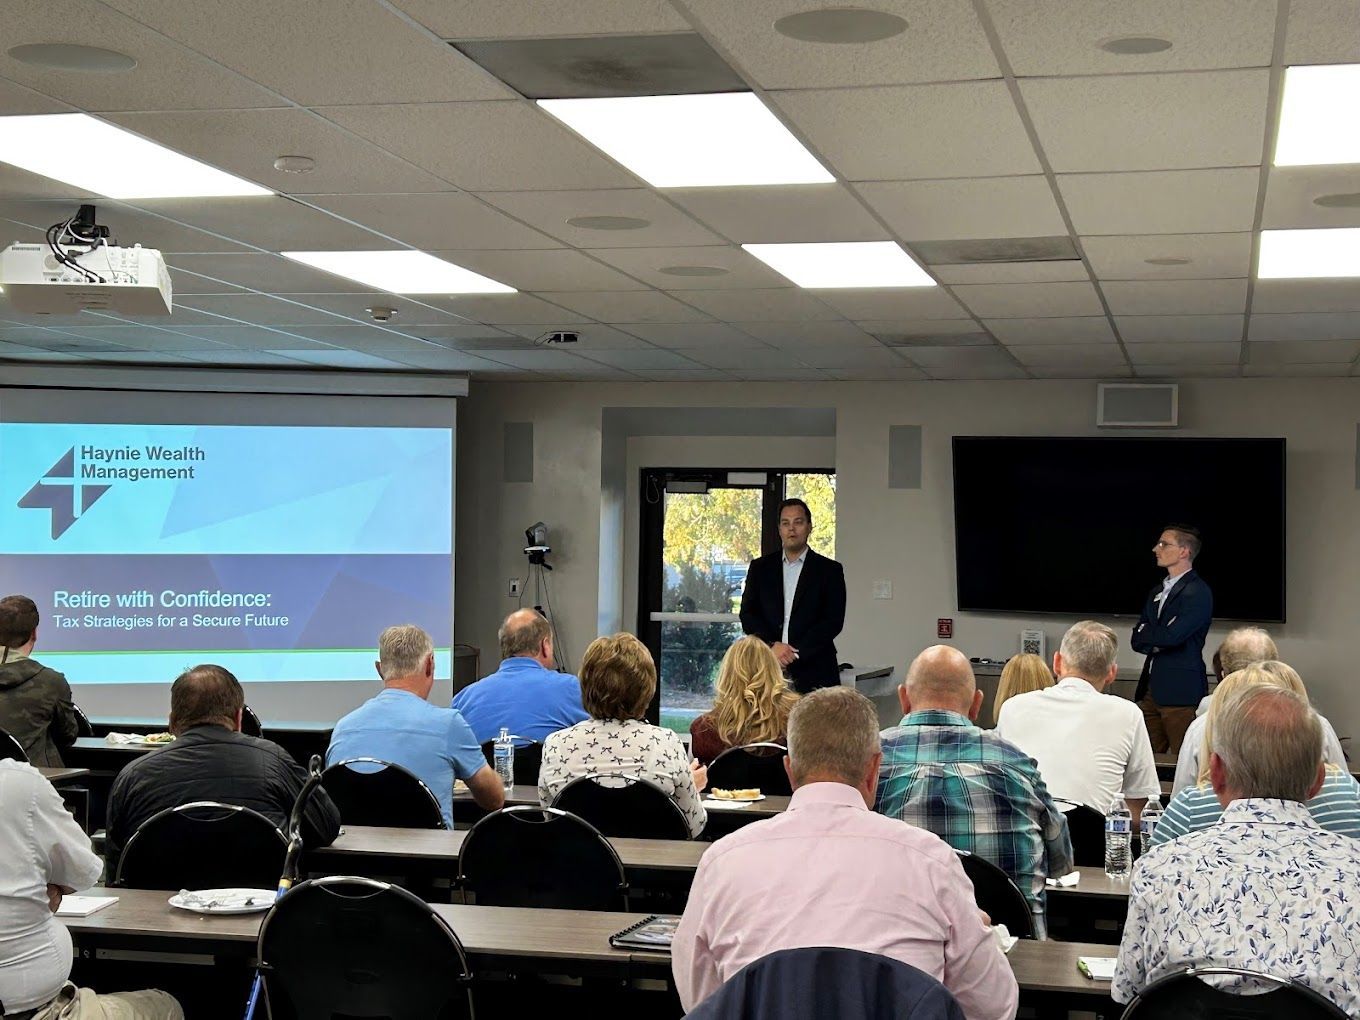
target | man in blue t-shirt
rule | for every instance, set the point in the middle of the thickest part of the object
(526, 694)
(399, 725)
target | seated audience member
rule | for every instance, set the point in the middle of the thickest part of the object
(1240, 648)
(211, 759)
(1264, 888)
(43, 855)
(35, 701)
(1336, 806)
(526, 694)
(968, 786)
(618, 680)
(830, 872)
(1021, 674)
(1090, 746)
(399, 725)
(751, 702)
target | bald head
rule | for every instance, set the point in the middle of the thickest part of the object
(940, 678)
(526, 633)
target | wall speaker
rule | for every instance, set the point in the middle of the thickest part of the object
(904, 456)
(518, 462)
(1137, 405)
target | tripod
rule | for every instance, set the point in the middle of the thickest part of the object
(543, 596)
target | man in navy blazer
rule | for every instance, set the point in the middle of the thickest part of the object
(1171, 634)
(795, 601)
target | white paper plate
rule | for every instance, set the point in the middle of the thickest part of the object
(710, 799)
(224, 901)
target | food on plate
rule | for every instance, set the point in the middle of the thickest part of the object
(158, 738)
(736, 794)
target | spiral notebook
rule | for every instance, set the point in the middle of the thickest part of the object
(654, 932)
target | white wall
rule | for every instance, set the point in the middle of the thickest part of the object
(906, 536)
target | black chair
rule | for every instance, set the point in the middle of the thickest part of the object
(1184, 996)
(528, 759)
(1086, 826)
(250, 722)
(751, 766)
(541, 857)
(369, 791)
(998, 895)
(622, 805)
(353, 947)
(203, 845)
(83, 727)
(11, 749)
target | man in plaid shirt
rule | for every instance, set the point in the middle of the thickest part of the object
(971, 788)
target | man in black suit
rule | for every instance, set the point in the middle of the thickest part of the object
(1171, 634)
(795, 600)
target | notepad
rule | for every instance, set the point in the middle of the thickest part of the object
(654, 932)
(83, 906)
(1097, 968)
(1066, 881)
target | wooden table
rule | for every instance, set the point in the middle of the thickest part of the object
(59, 776)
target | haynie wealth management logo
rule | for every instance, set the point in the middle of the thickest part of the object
(76, 481)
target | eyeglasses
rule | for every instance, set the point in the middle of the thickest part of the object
(1166, 545)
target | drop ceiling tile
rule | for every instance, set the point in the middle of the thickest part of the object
(1305, 326)
(1212, 256)
(742, 271)
(542, 19)
(411, 312)
(685, 375)
(344, 359)
(1091, 329)
(437, 360)
(1174, 328)
(735, 358)
(259, 310)
(1218, 353)
(134, 357)
(142, 338)
(1057, 271)
(641, 359)
(51, 340)
(965, 209)
(965, 362)
(460, 336)
(842, 356)
(432, 222)
(516, 147)
(228, 357)
(1150, 121)
(1161, 202)
(631, 306)
(502, 308)
(256, 338)
(1083, 356)
(18, 352)
(1322, 32)
(1048, 37)
(923, 328)
(943, 42)
(1275, 370)
(322, 51)
(893, 303)
(791, 335)
(1075, 370)
(167, 76)
(900, 373)
(1018, 300)
(1178, 370)
(273, 223)
(695, 334)
(274, 274)
(875, 134)
(549, 212)
(1291, 191)
(20, 184)
(36, 335)
(356, 337)
(539, 359)
(1305, 296)
(557, 269)
(18, 99)
(787, 214)
(788, 373)
(127, 226)
(786, 304)
(1176, 297)
(1303, 352)
(593, 336)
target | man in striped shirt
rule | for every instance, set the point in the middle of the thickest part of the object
(970, 787)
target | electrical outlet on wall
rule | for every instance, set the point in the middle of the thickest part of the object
(512, 589)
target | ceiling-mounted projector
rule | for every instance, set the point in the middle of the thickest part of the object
(76, 269)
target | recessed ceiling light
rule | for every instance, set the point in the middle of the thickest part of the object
(400, 272)
(693, 270)
(1309, 254)
(295, 164)
(1317, 116)
(841, 25)
(101, 159)
(697, 141)
(608, 222)
(1344, 200)
(1134, 45)
(843, 264)
(1168, 260)
(73, 57)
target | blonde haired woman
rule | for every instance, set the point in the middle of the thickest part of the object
(1335, 807)
(751, 702)
(1021, 674)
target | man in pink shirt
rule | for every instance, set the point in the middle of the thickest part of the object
(831, 872)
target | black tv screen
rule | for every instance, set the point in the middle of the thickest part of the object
(1051, 525)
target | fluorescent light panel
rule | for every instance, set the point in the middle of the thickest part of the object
(101, 159)
(841, 264)
(703, 141)
(400, 272)
(1318, 116)
(1309, 254)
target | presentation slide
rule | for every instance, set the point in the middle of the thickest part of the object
(278, 552)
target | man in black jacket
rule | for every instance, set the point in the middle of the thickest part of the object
(35, 701)
(795, 600)
(211, 759)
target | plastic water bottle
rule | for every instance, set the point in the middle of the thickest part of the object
(1147, 824)
(1118, 832)
(504, 755)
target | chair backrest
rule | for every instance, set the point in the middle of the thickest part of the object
(793, 984)
(369, 791)
(541, 857)
(1086, 826)
(623, 805)
(10, 748)
(751, 766)
(250, 722)
(353, 947)
(203, 845)
(998, 895)
(1184, 996)
(528, 759)
(83, 727)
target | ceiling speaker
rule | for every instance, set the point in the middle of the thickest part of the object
(1137, 405)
